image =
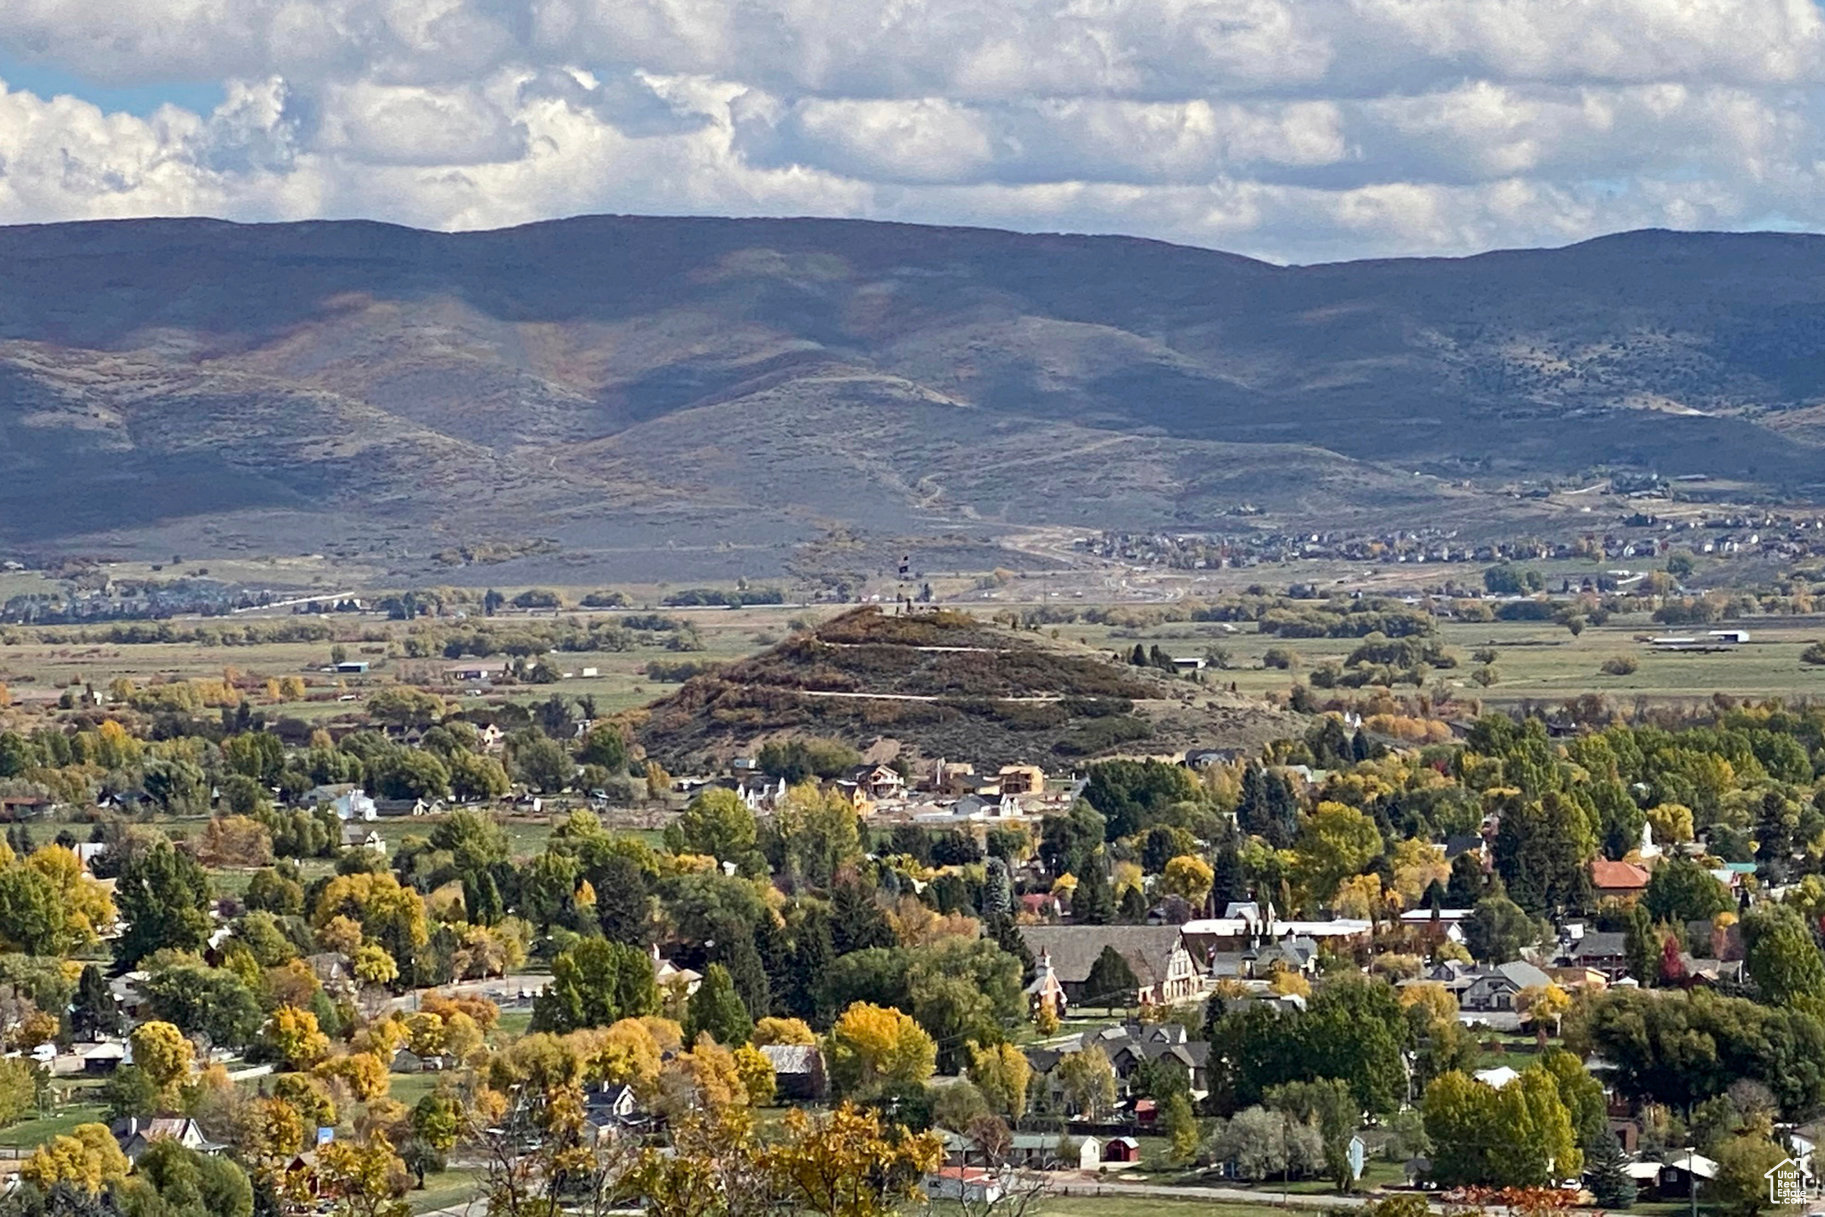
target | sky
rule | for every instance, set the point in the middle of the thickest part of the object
(1293, 130)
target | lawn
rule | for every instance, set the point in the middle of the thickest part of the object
(453, 1187)
(28, 1134)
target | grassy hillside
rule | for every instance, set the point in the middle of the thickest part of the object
(702, 395)
(943, 684)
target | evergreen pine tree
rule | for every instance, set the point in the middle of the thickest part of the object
(1251, 809)
(812, 954)
(1133, 908)
(997, 888)
(716, 1010)
(1228, 884)
(1610, 1184)
(1006, 934)
(94, 1013)
(1111, 981)
(775, 952)
(735, 950)
(482, 899)
(1093, 902)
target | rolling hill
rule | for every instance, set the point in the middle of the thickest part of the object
(946, 685)
(692, 398)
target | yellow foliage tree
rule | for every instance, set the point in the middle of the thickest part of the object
(874, 1046)
(363, 1180)
(363, 1073)
(772, 1030)
(274, 1132)
(162, 1053)
(1288, 983)
(1002, 1074)
(340, 934)
(373, 966)
(1437, 1000)
(756, 1073)
(427, 1034)
(845, 1164)
(88, 1158)
(1187, 877)
(87, 908)
(1417, 865)
(293, 1036)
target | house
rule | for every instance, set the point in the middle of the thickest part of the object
(953, 780)
(87, 852)
(103, 1058)
(330, 969)
(1155, 953)
(1022, 779)
(1468, 843)
(1130, 1045)
(348, 802)
(395, 808)
(354, 836)
(125, 991)
(137, 1133)
(1681, 1175)
(760, 792)
(1622, 881)
(1604, 951)
(798, 1071)
(23, 806)
(407, 1061)
(613, 1106)
(1437, 925)
(667, 975)
(877, 782)
(971, 1185)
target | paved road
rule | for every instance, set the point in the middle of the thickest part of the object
(1079, 1186)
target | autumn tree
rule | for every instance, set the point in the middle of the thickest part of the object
(1001, 1072)
(88, 1157)
(363, 1180)
(1188, 878)
(846, 1164)
(873, 1048)
(162, 1053)
(1088, 1081)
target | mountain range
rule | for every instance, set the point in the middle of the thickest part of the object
(696, 398)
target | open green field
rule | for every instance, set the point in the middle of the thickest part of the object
(1535, 660)
(38, 670)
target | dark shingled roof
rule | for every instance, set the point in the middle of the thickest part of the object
(1074, 948)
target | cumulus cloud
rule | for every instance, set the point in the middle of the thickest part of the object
(1290, 129)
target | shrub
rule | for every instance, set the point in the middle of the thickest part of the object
(1620, 665)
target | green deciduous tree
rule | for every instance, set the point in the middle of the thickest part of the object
(165, 898)
(594, 984)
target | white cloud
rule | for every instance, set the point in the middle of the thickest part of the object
(1287, 128)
